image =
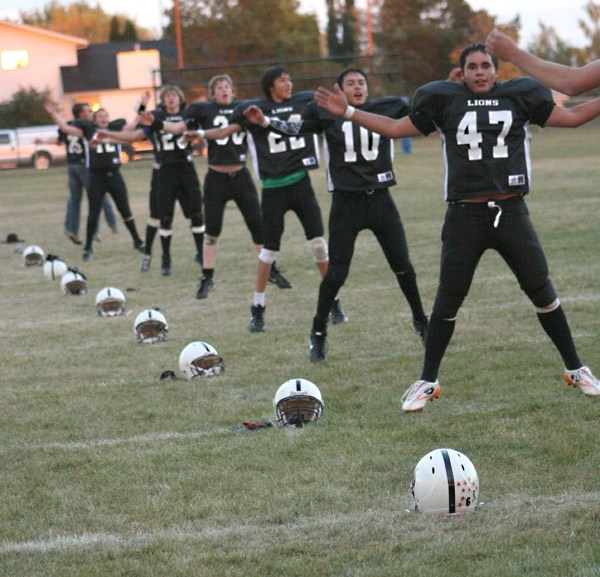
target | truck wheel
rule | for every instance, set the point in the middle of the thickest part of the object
(41, 160)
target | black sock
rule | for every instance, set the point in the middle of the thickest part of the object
(438, 336)
(556, 327)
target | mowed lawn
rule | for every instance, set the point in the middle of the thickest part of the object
(107, 470)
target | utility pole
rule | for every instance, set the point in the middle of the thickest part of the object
(177, 23)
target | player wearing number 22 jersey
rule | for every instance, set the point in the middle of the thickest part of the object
(360, 172)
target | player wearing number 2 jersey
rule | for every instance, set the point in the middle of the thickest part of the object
(483, 126)
(360, 172)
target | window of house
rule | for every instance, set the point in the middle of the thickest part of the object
(13, 59)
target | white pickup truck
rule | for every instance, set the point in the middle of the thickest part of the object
(18, 148)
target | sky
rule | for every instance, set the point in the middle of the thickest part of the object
(562, 15)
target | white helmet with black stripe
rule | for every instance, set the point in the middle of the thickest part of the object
(150, 327)
(110, 302)
(199, 359)
(445, 482)
(298, 401)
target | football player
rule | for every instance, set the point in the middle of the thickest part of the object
(483, 124)
(227, 178)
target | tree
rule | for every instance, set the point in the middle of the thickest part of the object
(549, 46)
(228, 32)
(25, 108)
(592, 33)
(341, 28)
(426, 33)
(78, 19)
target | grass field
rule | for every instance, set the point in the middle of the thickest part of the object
(109, 471)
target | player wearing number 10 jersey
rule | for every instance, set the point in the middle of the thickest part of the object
(483, 126)
(360, 172)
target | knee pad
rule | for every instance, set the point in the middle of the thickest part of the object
(268, 256)
(318, 248)
(153, 222)
(543, 295)
(548, 308)
(197, 223)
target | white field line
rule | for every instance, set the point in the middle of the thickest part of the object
(94, 443)
(262, 535)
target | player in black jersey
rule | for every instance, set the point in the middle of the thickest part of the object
(360, 172)
(104, 163)
(483, 124)
(227, 178)
(571, 80)
(177, 178)
(78, 175)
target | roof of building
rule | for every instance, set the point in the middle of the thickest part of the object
(80, 42)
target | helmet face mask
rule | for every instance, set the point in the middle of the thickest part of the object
(33, 256)
(73, 283)
(151, 327)
(445, 482)
(110, 302)
(298, 402)
(200, 359)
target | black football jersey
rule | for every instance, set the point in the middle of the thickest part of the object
(485, 140)
(77, 147)
(357, 159)
(278, 154)
(104, 155)
(230, 150)
(170, 148)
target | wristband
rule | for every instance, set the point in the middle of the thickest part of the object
(157, 125)
(201, 133)
(266, 122)
(349, 112)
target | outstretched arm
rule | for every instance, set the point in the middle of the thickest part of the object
(126, 136)
(576, 116)
(336, 103)
(563, 78)
(52, 109)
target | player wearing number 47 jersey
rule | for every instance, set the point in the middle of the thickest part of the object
(483, 125)
(360, 172)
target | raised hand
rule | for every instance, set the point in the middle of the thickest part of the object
(334, 102)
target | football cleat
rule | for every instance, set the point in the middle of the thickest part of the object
(207, 285)
(88, 254)
(278, 279)
(139, 245)
(583, 378)
(415, 398)
(146, 260)
(317, 346)
(337, 314)
(257, 320)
